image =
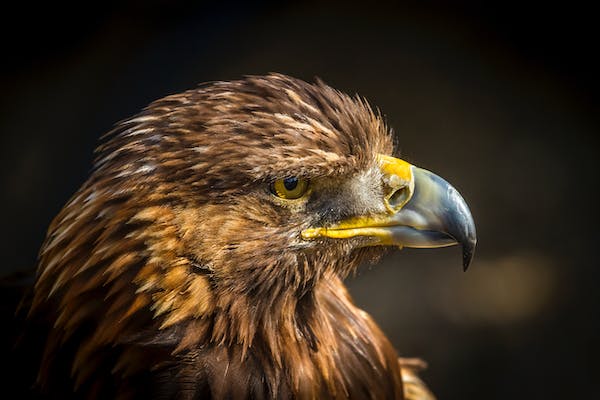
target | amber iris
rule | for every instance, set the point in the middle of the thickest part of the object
(290, 188)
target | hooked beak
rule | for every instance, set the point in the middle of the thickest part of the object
(423, 211)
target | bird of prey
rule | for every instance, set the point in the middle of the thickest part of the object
(205, 255)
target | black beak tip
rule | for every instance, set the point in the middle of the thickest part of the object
(468, 251)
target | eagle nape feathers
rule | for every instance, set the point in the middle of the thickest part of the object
(204, 257)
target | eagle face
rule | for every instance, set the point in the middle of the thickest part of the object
(217, 226)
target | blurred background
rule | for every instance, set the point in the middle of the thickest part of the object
(499, 98)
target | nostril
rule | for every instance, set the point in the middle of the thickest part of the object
(398, 198)
(397, 191)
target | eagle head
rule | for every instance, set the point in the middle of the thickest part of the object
(205, 252)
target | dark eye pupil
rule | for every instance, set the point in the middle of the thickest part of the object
(290, 183)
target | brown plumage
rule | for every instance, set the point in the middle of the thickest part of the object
(174, 272)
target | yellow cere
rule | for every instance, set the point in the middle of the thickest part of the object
(398, 175)
(392, 166)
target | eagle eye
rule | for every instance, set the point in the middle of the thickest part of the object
(290, 188)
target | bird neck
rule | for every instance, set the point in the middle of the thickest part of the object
(319, 338)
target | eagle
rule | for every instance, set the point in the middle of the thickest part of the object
(204, 257)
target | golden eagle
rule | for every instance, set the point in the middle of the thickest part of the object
(204, 256)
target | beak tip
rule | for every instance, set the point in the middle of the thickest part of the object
(466, 263)
(468, 251)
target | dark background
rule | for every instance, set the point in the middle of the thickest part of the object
(499, 98)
